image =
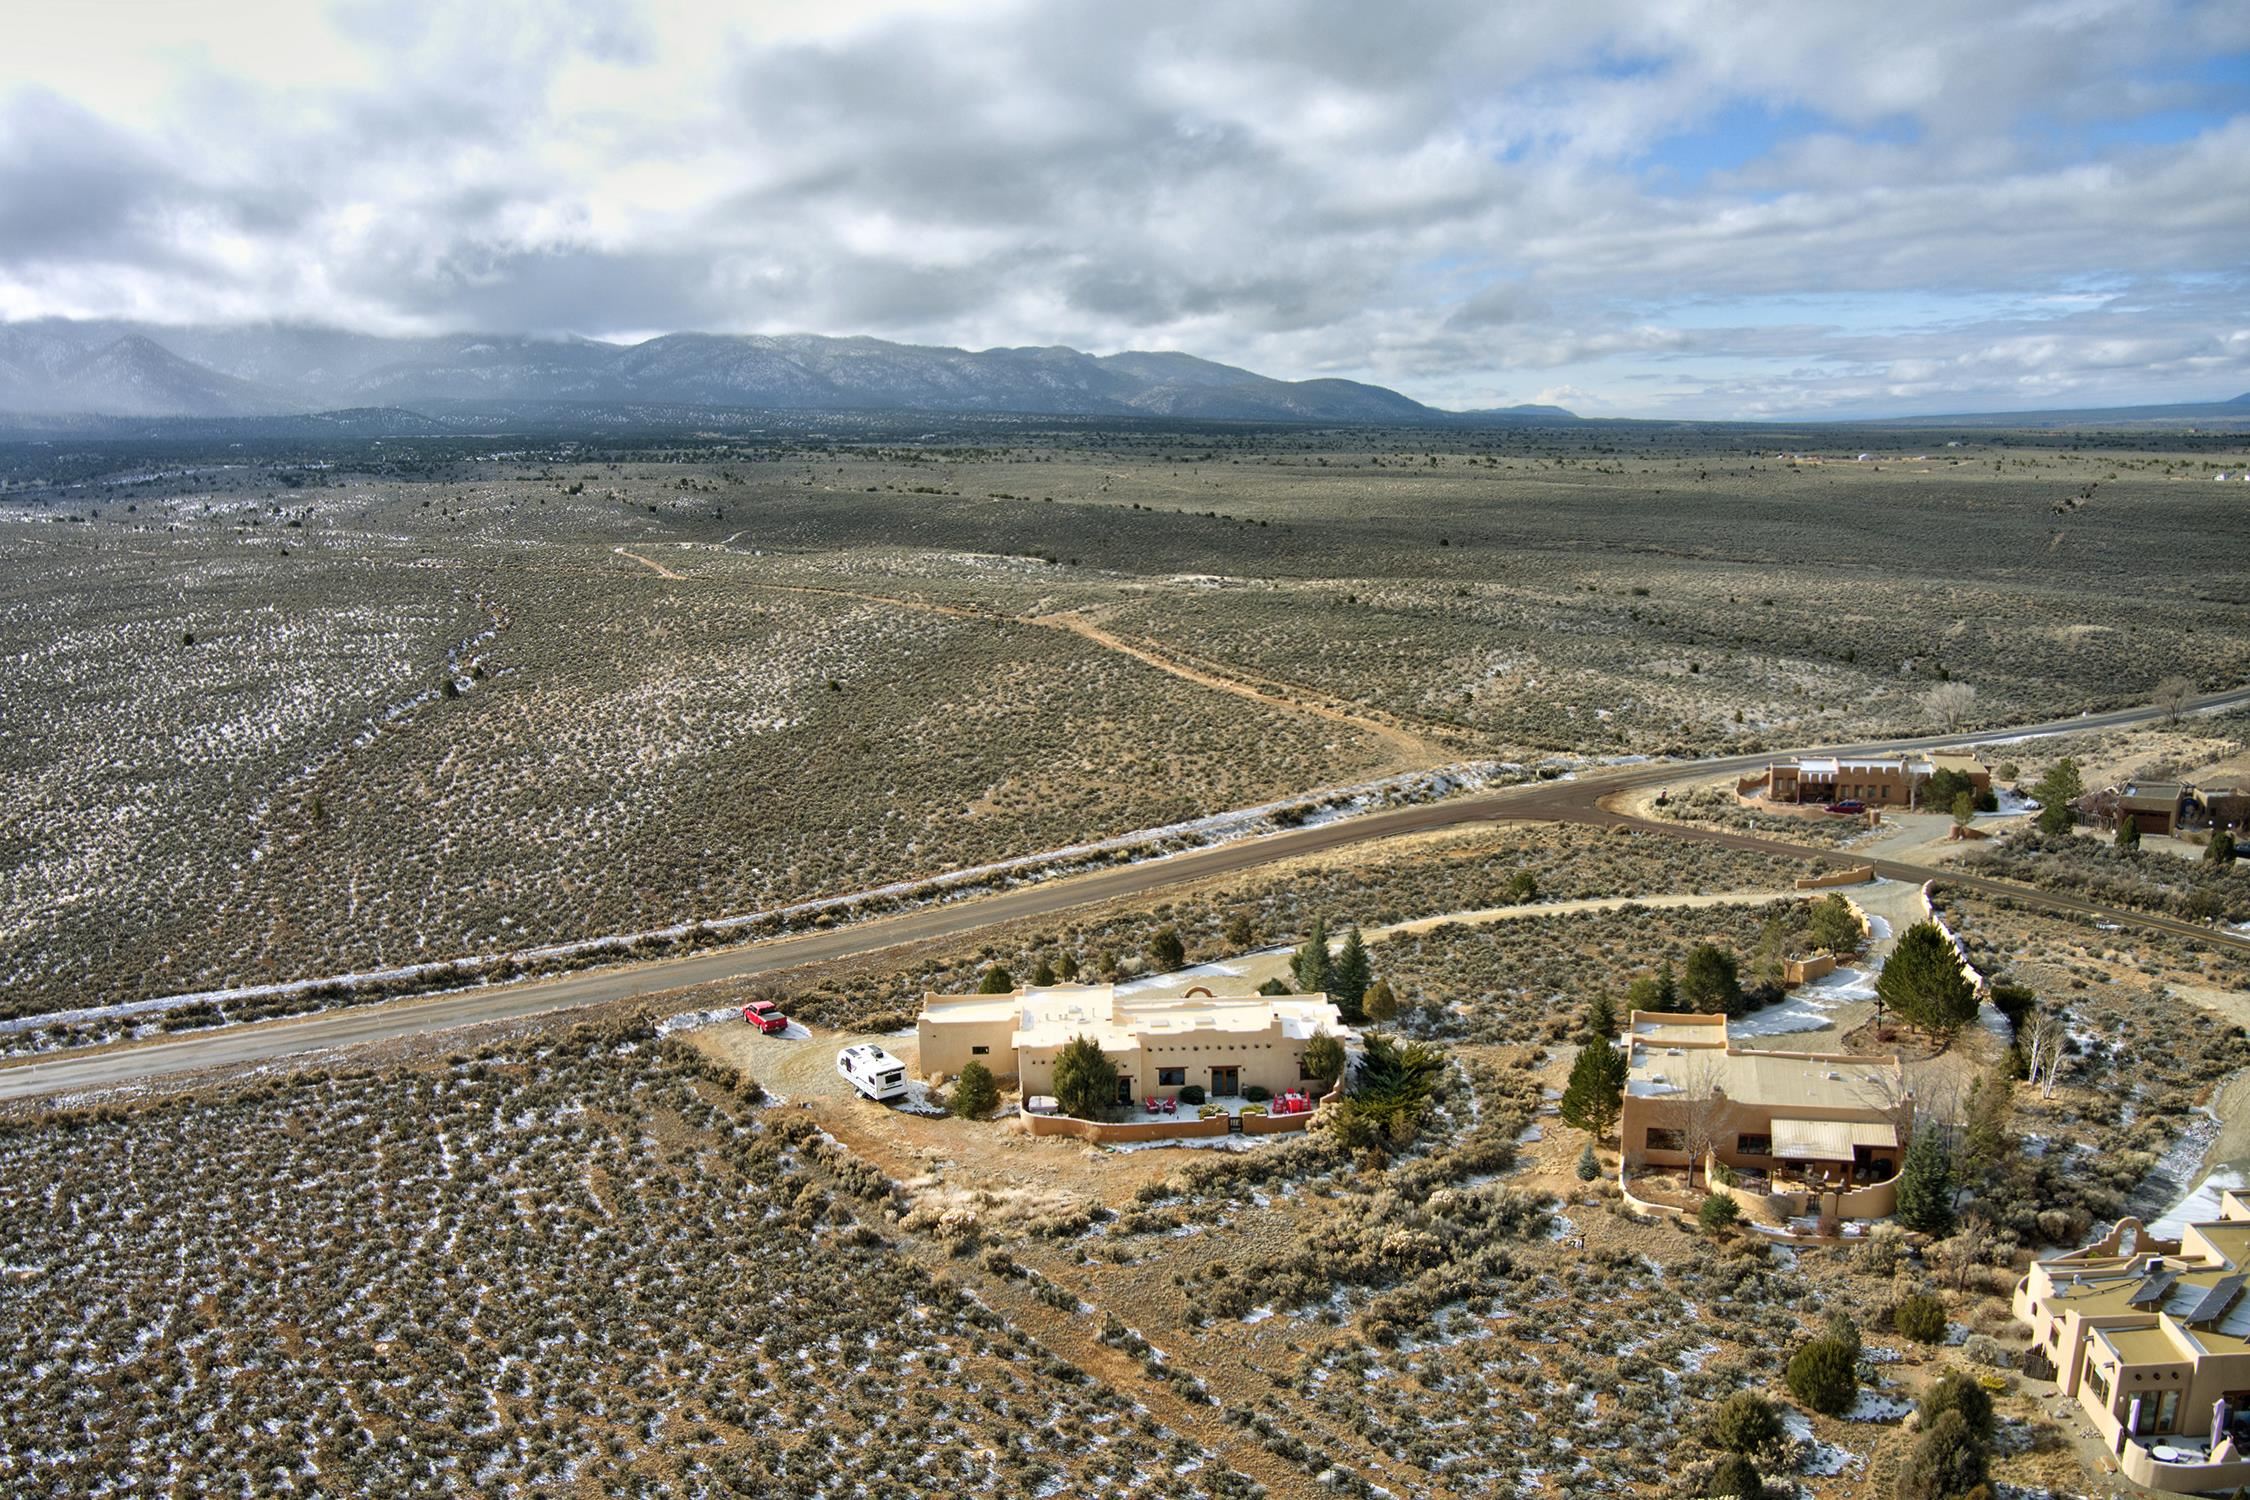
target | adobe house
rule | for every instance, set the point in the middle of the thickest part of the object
(1223, 1044)
(1878, 781)
(2156, 806)
(2153, 1338)
(1824, 1131)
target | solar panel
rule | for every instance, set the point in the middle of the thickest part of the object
(2153, 1290)
(2214, 1301)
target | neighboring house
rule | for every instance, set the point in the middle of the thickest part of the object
(2156, 806)
(1223, 1044)
(2153, 1338)
(1880, 781)
(1823, 1128)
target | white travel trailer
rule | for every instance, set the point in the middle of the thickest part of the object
(874, 1072)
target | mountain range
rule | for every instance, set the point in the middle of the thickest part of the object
(116, 369)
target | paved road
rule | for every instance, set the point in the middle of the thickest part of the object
(1575, 801)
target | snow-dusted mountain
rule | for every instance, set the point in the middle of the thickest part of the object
(123, 369)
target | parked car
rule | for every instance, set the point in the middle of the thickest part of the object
(766, 1016)
(1847, 807)
(874, 1072)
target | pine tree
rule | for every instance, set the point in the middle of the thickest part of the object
(1712, 984)
(1595, 1094)
(1068, 968)
(1589, 1165)
(1382, 1002)
(2128, 832)
(974, 1091)
(1349, 977)
(996, 981)
(1044, 974)
(1988, 1141)
(1925, 1184)
(2218, 849)
(1310, 967)
(1922, 981)
(1667, 989)
(1166, 951)
(1085, 1081)
(1601, 1017)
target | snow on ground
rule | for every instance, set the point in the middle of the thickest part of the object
(2202, 1202)
(917, 1100)
(1192, 973)
(695, 1020)
(1875, 1406)
(1820, 1460)
(1809, 1007)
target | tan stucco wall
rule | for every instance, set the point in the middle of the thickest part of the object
(1732, 1118)
(949, 1046)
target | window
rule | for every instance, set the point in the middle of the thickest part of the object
(1662, 1139)
(1170, 1078)
(2097, 1379)
(980, 1051)
(1753, 1145)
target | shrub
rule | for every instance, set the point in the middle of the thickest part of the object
(1324, 1059)
(1166, 951)
(1920, 1317)
(1824, 1374)
(1192, 1094)
(1735, 1475)
(1958, 1391)
(1947, 1462)
(1257, 1093)
(974, 1092)
(1718, 1212)
(1746, 1422)
(996, 981)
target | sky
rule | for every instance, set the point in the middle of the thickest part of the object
(1658, 208)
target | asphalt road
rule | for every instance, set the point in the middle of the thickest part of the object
(1574, 801)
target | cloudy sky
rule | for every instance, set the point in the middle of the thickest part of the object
(1656, 207)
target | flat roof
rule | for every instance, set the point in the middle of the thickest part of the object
(1828, 1140)
(1664, 1058)
(2144, 1346)
(1051, 1015)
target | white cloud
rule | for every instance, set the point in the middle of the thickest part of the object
(1464, 201)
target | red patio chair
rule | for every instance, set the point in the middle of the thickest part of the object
(1171, 1106)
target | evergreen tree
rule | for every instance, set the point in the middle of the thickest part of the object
(1734, 1477)
(1834, 927)
(1350, 975)
(1922, 981)
(1310, 967)
(1601, 1018)
(1165, 949)
(2218, 849)
(2128, 832)
(1925, 1184)
(1044, 974)
(974, 1092)
(1589, 1165)
(1085, 1081)
(1324, 1059)
(1595, 1094)
(1240, 933)
(1667, 988)
(1824, 1374)
(1068, 968)
(1712, 984)
(1382, 1002)
(1988, 1139)
(1274, 986)
(1947, 1462)
(996, 981)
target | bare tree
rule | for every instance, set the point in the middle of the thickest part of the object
(2172, 696)
(1701, 1109)
(2044, 1051)
(1950, 704)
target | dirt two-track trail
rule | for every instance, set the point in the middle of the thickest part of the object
(1585, 800)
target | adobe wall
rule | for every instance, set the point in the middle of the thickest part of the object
(1105, 1133)
(1855, 875)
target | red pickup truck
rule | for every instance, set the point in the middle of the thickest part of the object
(766, 1016)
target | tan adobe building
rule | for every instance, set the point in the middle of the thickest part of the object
(2158, 807)
(1878, 781)
(2153, 1338)
(1822, 1129)
(1223, 1044)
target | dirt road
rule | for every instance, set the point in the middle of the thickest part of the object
(1573, 801)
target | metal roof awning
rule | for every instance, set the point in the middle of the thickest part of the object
(1828, 1140)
